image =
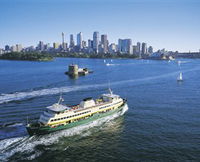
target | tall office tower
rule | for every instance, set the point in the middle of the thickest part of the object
(79, 40)
(18, 47)
(7, 47)
(125, 46)
(90, 43)
(150, 50)
(56, 45)
(71, 41)
(144, 48)
(63, 42)
(41, 46)
(138, 51)
(135, 50)
(96, 41)
(90, 46)
(104, 42)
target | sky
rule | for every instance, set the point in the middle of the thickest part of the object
(170, 24)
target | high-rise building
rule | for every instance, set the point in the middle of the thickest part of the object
(7, 47)
(18, 47)
(1, 51)
(104, 42)
(125, 46)
(64, 45)
(41, 45)
(56, 45)
(90, 43)
(80, 40)
(84, 44)
(112, 48)
(71, 41)
(138, 51)
(96, 41)
(144, 48)
(150, 50)
(135, 50)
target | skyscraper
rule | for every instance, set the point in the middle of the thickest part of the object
(41, 45)
(150, 50)
(138, 50)
(104, 42)
(96, 41)
(56, 45)
(64, 47)
(79, 40)
(125, 46)
(7, 48)
(72, 41)
(144, 48)
(18, 47)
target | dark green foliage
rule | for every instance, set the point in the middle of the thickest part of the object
(30, 56)
(93, 55)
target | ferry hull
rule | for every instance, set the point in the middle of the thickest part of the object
(47, 129)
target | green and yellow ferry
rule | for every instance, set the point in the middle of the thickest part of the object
(60, 116)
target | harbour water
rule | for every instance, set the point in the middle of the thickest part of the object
(161, 122)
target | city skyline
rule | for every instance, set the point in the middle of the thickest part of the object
(98, 45)
(173, 25)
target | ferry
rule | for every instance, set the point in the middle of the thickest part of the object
(60, 116)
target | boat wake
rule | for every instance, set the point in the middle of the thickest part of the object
(112, 64)
(26, 144)
(4, 98)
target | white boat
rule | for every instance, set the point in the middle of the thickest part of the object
(104, 61)
(180, 77)
(60, 116)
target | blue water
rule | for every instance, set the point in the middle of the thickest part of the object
(161, 124)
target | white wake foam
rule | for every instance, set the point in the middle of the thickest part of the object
(9, 147)
(4, 98)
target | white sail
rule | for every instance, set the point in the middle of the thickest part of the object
(180, 77)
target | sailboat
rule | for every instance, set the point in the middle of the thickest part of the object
(180, 77)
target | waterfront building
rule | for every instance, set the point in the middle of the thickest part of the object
(150, 50)
(125, 46)
(30, 49)
(18, 47)
(138, 48)
(7, 48)
(1, 51)
(96, 41)
(144, 48)
(72, 44)
(84, 44)
(56, 45)
(80, 40)
(64, 45)
(41, 46)
(90, 43)
(135, 49)
(112, 48)
(104, 42)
